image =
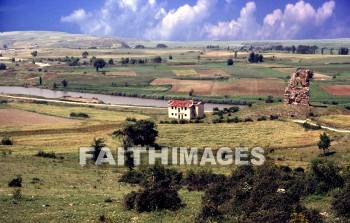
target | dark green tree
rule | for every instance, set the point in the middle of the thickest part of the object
(13, 60)
(142, 132)
(99, 63)
(85, 54)
(34, 53)
(324, 143)
(229, 62)
(54, 85)
(157, 59)
(110, 61)
(64, 82)
(4, 46)
(170, 57)
(162, 45)
(40, 81)
(2, 66)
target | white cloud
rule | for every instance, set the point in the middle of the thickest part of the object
(76, 16)
(183, 23)
(151, 19)
(295, 20)
(243, 28)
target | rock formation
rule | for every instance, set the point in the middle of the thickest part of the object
(298, 90)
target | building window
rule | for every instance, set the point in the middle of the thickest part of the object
(172, 113)
(185, 109)
(185, 114)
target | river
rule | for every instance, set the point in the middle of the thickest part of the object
(108, 99)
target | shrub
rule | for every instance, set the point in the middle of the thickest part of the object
(50, 155)
(79, 115)
(6, 141)
(248, 120)
(174, 121)
(2, 66)
(133, 177)
(215, 109)
(341, 203)
(201, 180)
(233, 109)
(273, 117)
(15, 182)
(311, 127)
(269, 99)
(229, 62)
(262, 118)
(131, 119)
(182, 121)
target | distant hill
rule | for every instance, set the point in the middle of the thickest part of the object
(48, 39)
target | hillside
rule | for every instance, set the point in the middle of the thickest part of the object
(47, 39)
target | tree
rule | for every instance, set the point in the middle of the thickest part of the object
(139, 46)
(255, 58)
(142, 132)
(341, 202)
(229, 62)
(4, 46)
(324, 142)
(85, 54)
(157, 59)
(13, 60)
(98, 144)
(64, 83)
(293, 49)
(40, 81)
(2, 66)
(170, 57)
(99, 63)
(54, 85)
(162, 45)
(343, 51)
(110, 61)
(236, 52)
(34, 53)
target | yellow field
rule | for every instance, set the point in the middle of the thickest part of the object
(341, 121)
(182, 73)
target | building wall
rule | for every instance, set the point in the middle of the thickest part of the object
(200, 110)
(181, 112)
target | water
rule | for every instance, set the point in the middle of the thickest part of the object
(108, 99)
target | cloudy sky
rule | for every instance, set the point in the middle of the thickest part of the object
(183, 20)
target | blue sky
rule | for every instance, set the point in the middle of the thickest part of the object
(182, 20)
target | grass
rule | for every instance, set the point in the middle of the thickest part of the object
(342, 121)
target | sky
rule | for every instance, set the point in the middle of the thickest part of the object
(181, 20)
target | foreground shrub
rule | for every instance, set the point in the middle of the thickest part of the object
(201, 180)
(158, 192)
(16, 182)
(50, 155)
(341, 203)
(6, 141)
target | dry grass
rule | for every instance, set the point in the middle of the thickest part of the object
(340, 121)
(212, 73)
(122, 73)
(182, 73)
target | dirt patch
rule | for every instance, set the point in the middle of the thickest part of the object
(16, 116)
(184, 86)
(337, 89)
(250, 86)
(122, 73)
(290, 70)
(6, 73)
(244, 86)
(212, 73)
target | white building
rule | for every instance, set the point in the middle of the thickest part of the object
(185, 109)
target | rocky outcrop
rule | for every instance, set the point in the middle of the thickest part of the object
(298, 90)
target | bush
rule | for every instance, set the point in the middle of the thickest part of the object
(2, 66)
(273, 117)
(311, 127)
(182, 121)
(262, 118)
(157, 193)
(229, 62)
(6, 141)
(50, 155)
(269, 99)
(15, 182)
(79, 115)
(201, 180)
(174, 121)
(341, 203)
(248, 120)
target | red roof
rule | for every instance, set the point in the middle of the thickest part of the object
(183, 103)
